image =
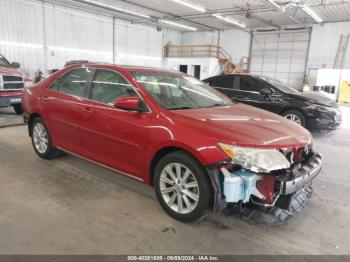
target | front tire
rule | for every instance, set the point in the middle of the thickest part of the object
(41, 140)
(183, 187)
(18, 109)
(295, 116)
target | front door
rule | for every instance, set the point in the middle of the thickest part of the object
(249, 92)
(113, 137)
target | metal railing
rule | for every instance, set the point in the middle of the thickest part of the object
(207, 51)
(193, 51)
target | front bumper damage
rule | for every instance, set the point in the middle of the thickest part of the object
(303, 175)
(285, 184)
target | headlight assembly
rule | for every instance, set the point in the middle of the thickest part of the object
(256, 159)
(322, 108)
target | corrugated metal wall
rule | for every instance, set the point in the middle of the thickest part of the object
(281, 55)
(324, 44)
(62, 34)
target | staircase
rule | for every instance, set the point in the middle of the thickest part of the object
(204, 51)
(341, 52)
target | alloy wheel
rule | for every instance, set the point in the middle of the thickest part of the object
(40, 138)
(179, 188)
(294, 118)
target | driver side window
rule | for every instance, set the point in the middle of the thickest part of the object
(108, 85)
(250, 84)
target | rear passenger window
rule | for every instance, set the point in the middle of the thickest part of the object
(223, 81)
(108, 85)
(72, 83)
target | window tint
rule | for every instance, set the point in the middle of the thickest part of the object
(108, 85)
(237, 83)
(224, 81)
(4, 62)
(73, 82)
(248, 83)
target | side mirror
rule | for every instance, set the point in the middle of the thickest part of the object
(130, 103)
(265, 92)
(16, 65)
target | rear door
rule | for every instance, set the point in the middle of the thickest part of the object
(114, 137)
(63, 103)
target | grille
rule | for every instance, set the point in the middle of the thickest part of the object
(12, 79)
(11, 82)
(13, 85)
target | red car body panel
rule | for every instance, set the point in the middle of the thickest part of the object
(128, 141)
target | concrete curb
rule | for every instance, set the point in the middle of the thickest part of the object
(12, 125)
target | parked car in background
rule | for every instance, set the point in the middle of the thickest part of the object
(308, 109)
(197, 148)
(12, 82)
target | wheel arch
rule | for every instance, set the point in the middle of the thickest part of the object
(292, 108)
(160, 154)
(30, 122)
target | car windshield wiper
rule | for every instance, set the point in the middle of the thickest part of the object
(218, 104)
(180, 108)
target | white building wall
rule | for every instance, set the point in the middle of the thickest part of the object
(138, 44)
(200, 38)
(72, 35)
(62, 34)
(21, 22)
(209, 66)
(236, 43)
(172, 36)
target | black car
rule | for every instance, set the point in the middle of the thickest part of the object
(309, 109)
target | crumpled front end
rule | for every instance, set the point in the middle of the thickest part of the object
(240, 183)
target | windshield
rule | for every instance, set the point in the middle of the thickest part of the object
(173, 91)
(4, 62)
(284, 87)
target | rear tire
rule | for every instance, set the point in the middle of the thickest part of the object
(183, 188)
(41, 140)
(18, 109)
(295, 116)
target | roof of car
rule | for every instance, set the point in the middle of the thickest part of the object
(124, 67)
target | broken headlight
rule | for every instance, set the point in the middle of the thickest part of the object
(256, 159)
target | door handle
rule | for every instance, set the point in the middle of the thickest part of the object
(45, 99)
(87, 111)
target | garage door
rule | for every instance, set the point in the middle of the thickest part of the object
(281, 55)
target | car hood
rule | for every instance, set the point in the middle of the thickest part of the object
(244, 125)
(11, 71)
(315, 98)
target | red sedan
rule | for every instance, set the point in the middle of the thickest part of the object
(197, 148)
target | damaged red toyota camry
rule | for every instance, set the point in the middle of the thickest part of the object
(198, 149)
